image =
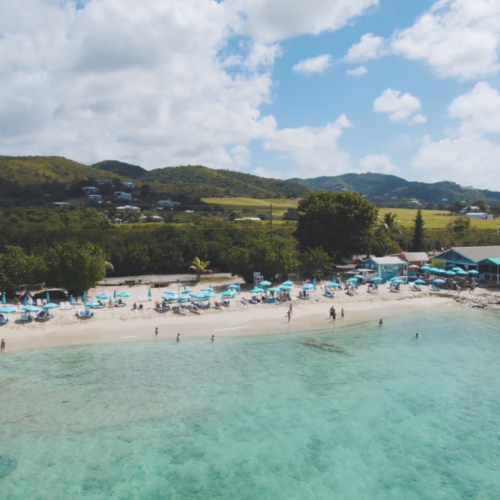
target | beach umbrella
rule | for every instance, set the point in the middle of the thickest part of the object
(274, 289)
(25, 301)
(149, 292)
(50, 305)
(450, 273)
(104, 296)
(114, 294)
(285, 288)
(228, 294)
(420, 282)
(425, 268)
(171, 297)
(439, 281)
(461, 273)
(207, 289)
(473, 272)
(257, 290)
(234, 287)
(4, 301)
(199, 295)
(7, 310)
(265, 283)
(92, 303)
(84, 295)
(71, 299)
(170, 292)
(352, 280)
(376, 279)
(183, 298)
(359, 277)
(394, 278)
(456, 269)
(47, 297)
(124, 294)
(186, 291)
(288, 282)
(398, 282)
(333, 285)
(31, 309)
(307, 286)
(413, 266)
(210, 295)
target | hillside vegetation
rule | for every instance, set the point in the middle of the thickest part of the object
(225, 182)
(121, 168)
(389, 186)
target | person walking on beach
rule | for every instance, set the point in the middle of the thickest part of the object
(291, 309)
(2, 345)
(178, 337)
(156, 331)
(342, 313)
(334, 314)
(289, 315)
(459, 289)
(331, 313)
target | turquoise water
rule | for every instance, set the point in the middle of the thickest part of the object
(367, 412)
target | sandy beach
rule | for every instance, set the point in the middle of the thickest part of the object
(125, 325)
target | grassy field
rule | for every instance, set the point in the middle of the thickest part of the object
(434, 219)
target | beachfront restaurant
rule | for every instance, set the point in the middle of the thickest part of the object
(387, 267)
(484, 260)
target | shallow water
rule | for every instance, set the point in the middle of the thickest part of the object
(365, 412)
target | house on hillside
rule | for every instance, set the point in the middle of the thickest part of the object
(128, 208)
(387, 267)
(103, 182)
(129, 185)
(165, 203)
(413, 258)
(121, 195)
(95, 197)
(90, 190)
(485, 260)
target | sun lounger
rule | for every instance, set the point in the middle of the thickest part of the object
(39, 303)
(270, 301)
(434, 288)
(226, 303)
(84, 314)
(329, 294)
(3, 321)
(117, 304)
(44, 316)
(254, 300)
(26, 317)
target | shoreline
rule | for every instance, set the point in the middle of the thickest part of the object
(118, 325)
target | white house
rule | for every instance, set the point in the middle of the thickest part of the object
(90, 189)
(121, 195)
(128, 208)
(165, 203)
(129, 185)
(95, 197)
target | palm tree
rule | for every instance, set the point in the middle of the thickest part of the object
(199, 266)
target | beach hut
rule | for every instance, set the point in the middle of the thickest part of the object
(387, 267)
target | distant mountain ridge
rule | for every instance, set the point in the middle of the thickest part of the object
(121, 168)
(385, 187)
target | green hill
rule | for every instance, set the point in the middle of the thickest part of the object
(24, 170)
(121, 168)
(387, 187)
(216, 183)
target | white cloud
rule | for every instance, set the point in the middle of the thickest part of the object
(359, 71)
(377, 164)
(272, 20)
(314, 150)
(399, 107)
(458, 38)
(465, 160)
(479, 109)
(261, 55)
(314, 64)
(369, 47)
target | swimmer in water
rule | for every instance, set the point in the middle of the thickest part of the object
(178, 337)
(416, 335)
(213, 338)
(380, 322)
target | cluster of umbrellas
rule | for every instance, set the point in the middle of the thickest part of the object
(456, 271)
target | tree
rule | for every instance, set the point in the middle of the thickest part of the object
(199, 266)
(481, 204)
(336, 221)
(459, 224)
(418, 233)
(75, 266)
(17, 268)
(495, 209)
(314, 260)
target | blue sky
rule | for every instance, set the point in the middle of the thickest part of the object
(281, 88)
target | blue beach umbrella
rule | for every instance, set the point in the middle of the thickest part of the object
(186, 291)
(461, 273)
(234, 287)
(210, 295)
(207, 289)
(420, 282)
(376, 279)
(359, 277)
(7, 310)
(456, 269)
(288, 282)
(274, 289)
(31, 309)
(25, 301)
(394, 278)
(171, 297)
(50, 305)
(285, 288)
(265, 283)
(425, 268)
(307, 286)
(199, 295)
(71, 299)
(4, 301)
(149, 292)
(183, 298)
(473, 272)
(123, 294)
(399, 282)
(450, 273)
(228, 294)
(104, 296)
(439, 281)
(257, 290)
(84, 295)
(114, 294)
(47, 297)
(171, 292)
(333, 285)
(92, 303)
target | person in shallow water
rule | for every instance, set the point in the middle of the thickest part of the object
(2, 345)
(380, 322)
(213, 338)
(156, 331)
(178, 337)
(416, 335)
(342, 313)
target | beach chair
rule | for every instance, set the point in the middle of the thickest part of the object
(39, 303)
(26, 317)
(254, 300)
(329, 294)
(226, 303)
(434, 288)
(3, 320)
(271, 301)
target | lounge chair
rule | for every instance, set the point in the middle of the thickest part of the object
(254, 300)
(226, 303)
(118, 304)
(84, 314)
(39, 303)
(3, 320)
(329, 294)
(271, 301)
(44, 316)
(434, 288)
(26, 317)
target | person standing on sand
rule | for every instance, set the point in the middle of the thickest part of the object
(288, 315)
(291, 309)
(2, 345)
(334, 314)
(178, 337)
(331, 312)
(342, 313)
(156, 331)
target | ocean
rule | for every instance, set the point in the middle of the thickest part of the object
(363, 412)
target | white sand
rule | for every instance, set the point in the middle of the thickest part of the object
(125, 325)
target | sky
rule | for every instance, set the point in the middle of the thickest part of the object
(278, 88)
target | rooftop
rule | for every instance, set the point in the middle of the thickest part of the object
(388, 260)
(477, 253)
